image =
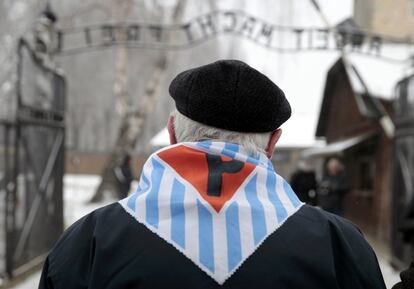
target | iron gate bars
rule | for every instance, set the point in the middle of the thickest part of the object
(34, 206)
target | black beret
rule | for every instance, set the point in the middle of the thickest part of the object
(231, 95)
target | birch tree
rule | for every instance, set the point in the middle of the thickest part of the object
(133, 119)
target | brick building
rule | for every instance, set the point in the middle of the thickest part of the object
(355, 121)
(381, 16)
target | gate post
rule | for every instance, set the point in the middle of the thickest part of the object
(34, 208)
(402, 238)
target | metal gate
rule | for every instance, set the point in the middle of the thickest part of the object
(32, 174)
(403, 182)
(7, 132)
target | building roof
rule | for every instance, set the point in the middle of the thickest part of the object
(337, 148)
(379, 76)
(372, 80)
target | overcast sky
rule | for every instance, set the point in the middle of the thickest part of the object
(336, 10)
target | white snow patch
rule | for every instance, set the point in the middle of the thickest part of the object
(380, 76)
(78, 190)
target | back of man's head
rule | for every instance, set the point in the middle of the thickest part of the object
(228, 101)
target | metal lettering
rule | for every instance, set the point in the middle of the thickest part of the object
(375, 45)
(187, 30)
(248, 26)
(233, 21)
(156, 32)
(323, 35)
(133, 33)
(108, 35)
(206, 24)
(298, 33)
(266, 32)
(88, 37)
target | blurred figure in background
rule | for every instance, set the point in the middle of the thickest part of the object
(407, 279)
(124, 177)
(333, 187)
(303, 182)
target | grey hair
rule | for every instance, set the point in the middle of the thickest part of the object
(189, 130)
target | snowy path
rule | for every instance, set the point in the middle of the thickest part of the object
(78, 190)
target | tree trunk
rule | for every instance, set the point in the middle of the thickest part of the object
(133, 121)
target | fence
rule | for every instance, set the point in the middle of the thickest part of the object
(31, 165)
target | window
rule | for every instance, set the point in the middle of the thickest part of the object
(365, 176)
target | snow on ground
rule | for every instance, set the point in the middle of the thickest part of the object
(78, 190)
(30, 282)
(391, 277)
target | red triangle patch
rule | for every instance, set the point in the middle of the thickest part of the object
(192, 165)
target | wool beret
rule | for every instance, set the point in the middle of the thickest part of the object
(231, 95)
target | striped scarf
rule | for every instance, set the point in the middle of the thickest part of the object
(212, 202)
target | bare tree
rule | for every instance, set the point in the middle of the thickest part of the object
(133, 119)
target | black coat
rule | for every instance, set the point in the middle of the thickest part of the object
(303, 183)
(332, 191)
(110, 249)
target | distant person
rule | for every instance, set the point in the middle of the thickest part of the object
(333, 187)
(124, 176)
(303, 182)
(210, 211)
(407, 279)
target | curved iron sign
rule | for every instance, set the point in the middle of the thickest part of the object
(216, 23)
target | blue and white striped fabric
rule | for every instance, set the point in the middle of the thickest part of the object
(217, 242)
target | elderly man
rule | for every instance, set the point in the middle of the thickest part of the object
(210, 210)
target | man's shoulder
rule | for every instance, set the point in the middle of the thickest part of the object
(344, 237)
(319, 217)
(95, 217)
(86, 242)
(342, 232)
(81, 234)
(307, 220)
